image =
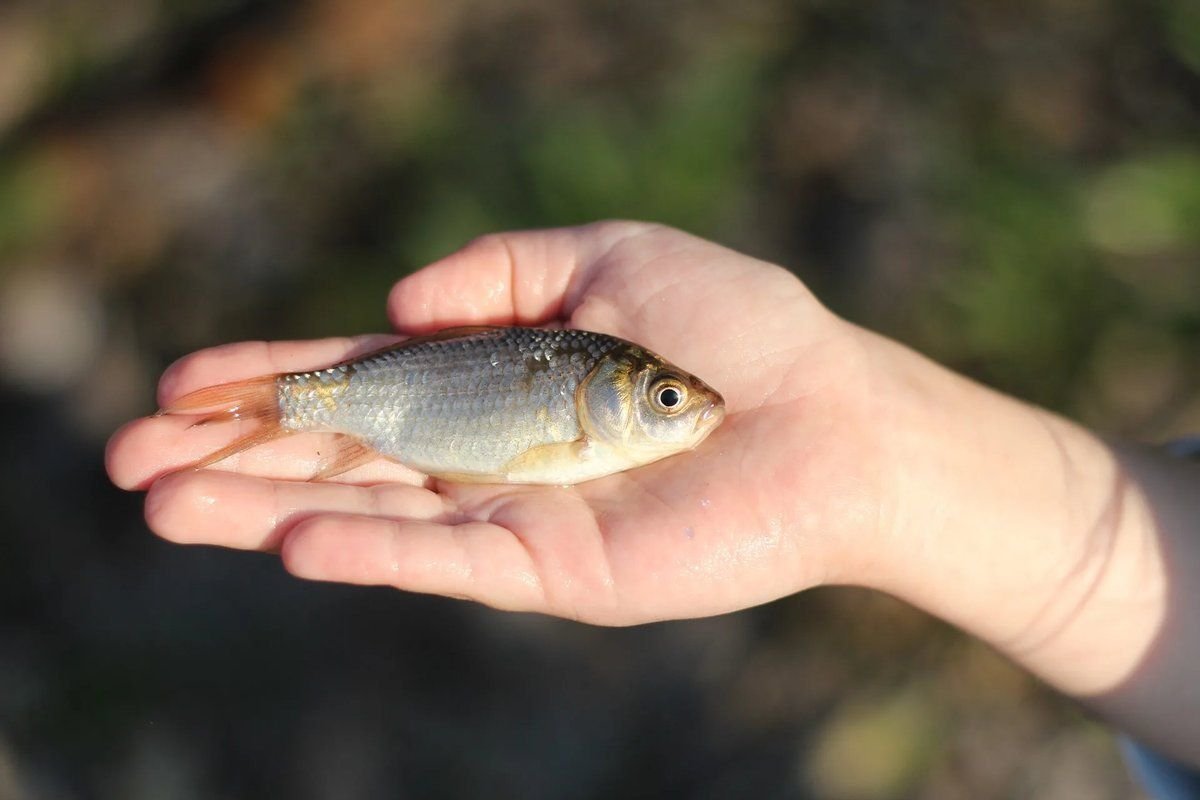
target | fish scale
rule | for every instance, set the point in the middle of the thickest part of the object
(492, 395)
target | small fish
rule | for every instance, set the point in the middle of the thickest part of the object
(480, 405)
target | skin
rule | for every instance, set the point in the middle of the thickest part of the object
(844, 458)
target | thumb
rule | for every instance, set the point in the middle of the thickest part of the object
(516, 278)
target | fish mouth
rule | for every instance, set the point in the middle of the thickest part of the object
(711, 417)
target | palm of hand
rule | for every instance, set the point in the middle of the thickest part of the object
(761, 509)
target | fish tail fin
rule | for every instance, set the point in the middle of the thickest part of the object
(262, 435)
(253, 399)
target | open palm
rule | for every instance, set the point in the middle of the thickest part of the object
(771, 503)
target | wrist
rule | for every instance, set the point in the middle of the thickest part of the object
(1015, 525)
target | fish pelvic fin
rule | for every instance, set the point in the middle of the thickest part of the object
(255, 399)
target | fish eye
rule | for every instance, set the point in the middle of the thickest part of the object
(668, 395)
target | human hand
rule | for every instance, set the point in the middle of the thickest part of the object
(779, 498)
(843, 458)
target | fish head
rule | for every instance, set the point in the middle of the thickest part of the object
(647, 407)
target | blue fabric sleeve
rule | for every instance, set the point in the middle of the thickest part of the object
(1159, 776)
(1162, 778)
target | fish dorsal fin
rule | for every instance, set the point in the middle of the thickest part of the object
(437, 336)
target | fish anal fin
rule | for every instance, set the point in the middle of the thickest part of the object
(348, 454)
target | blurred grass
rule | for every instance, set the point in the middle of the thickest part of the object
(29, 204)
(1012, 188)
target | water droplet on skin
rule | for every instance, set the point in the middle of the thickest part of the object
(689, 532)
(705, 502)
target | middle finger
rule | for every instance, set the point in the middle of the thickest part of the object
(253, 513)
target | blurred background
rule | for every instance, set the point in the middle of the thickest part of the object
(1011, 187)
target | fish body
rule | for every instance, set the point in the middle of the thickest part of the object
(505, 405)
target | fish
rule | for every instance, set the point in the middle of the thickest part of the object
(479, 404)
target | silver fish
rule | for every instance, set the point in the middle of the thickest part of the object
(485, 405)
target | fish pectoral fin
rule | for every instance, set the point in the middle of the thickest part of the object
(348, 453)
(548, 459)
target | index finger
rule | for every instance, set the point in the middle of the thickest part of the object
(241, 360)
(517, 278)
(142, 450)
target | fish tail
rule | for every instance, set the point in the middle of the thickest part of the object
(262, 435)
(253, 399)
